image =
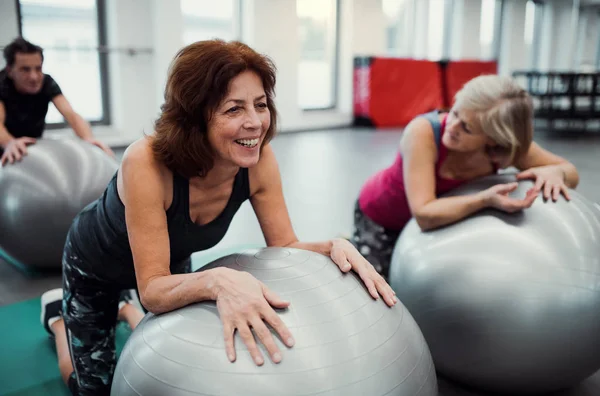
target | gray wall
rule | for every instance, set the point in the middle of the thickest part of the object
(9, 25)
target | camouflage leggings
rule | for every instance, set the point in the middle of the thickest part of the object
(89, 310)
(373, 241)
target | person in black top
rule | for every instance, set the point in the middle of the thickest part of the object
(176, 192)
(25, 93)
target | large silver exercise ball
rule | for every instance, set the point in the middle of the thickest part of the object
(346, 342)
(41, 195)
(508, 303)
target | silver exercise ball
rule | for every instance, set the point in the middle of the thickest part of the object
(42, 193)
(346, 342)
(508, 303)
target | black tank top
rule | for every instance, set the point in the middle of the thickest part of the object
(99, 232)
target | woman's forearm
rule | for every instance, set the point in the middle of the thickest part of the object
(445, 211)
(166, 293)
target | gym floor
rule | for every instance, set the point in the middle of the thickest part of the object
(322, 172)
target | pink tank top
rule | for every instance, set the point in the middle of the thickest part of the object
(383, 198)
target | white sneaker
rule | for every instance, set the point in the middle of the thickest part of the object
(51, 308)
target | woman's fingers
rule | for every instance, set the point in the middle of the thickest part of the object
(385, 290)
(565, 191)
(265, 336)
(370, 285)
(555, 192)
(248, 338)
(228, 330)
(339, 257)
(539, 183)
(273, 298)
(274, 320)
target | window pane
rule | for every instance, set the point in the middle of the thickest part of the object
(397, 19)
(316, 70)
(435, 33)
(529, 22)
(208, 19)
(487, 28)
(534, 15)
(68, 32)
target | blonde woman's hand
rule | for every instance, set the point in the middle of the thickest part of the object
(497, 197)
(549, 178)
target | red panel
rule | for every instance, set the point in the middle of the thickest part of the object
(362, 92)
(459, 72)
(401, 89)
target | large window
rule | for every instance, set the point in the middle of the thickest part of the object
(318, 53)
(209, 19)
(399, 26)
(69, 32)
(488, 30)
(529, 22)
(438, 28)
(534, 15)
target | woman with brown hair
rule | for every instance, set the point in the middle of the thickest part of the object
(176, 193)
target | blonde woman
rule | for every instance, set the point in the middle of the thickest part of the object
(489, 127)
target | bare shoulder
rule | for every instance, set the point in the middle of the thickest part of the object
(418, 129)
(265, 172)
(139, 157)
(139, 151)
(141, 169)
(418, 135)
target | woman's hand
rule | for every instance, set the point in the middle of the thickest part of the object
(345, 255)
(497, 197)
(243, 303)
(551, 178)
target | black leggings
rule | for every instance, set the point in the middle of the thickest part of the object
(89, 311)
(375, 242)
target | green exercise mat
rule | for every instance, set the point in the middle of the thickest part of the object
(28, 365)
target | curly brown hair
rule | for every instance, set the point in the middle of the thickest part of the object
(198, 81)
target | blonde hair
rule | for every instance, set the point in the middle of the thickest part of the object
(504, 111)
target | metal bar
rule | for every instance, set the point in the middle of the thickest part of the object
(448, 26)
(498, 24)
(574, 33)
(598, 45)
(103, 62)
(336, 57)
(19, 17)
(100, 49)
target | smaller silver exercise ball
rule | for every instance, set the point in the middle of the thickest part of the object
(508, 303)
(42, 194)
(347, 343)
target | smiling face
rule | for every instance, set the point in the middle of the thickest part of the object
(26, 73)
(240, 122)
